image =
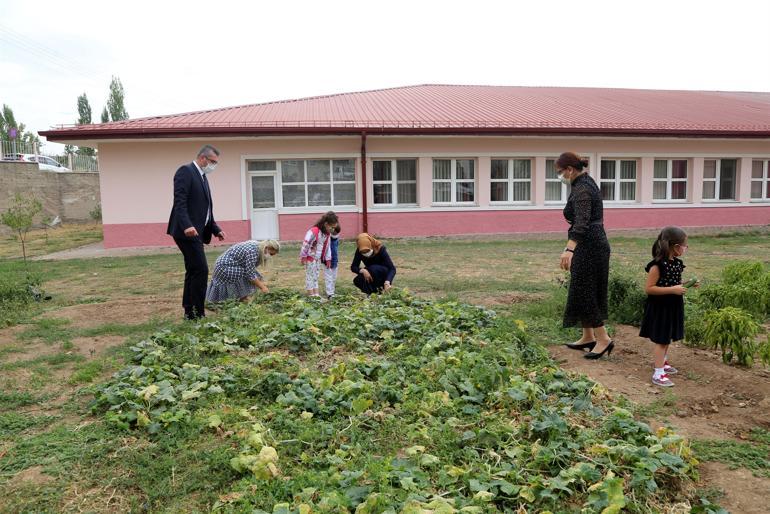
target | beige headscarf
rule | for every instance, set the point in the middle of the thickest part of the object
(270, 243)
(366, 242)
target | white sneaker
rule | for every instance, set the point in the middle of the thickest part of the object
(662, 381)
(670, 370)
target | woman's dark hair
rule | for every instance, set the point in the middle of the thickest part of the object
(568, 159)
(330, 218)
(667, 238)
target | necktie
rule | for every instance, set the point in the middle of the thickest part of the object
(208, 196)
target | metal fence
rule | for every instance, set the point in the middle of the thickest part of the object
(19, 151)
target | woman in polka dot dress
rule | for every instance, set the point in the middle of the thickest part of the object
(235, 274)
(663, 320)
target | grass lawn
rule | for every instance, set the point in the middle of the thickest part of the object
(42, 242)
(55, 455)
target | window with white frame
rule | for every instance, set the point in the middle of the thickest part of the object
(760, 180)
(511, 180)
(394, 181)
(555, 189)
(454, 181)
(719, 179)
(318, 182)
(618, 180)
(669, 181)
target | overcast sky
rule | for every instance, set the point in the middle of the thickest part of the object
(179, 56)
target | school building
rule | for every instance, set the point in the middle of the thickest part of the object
(434, 160)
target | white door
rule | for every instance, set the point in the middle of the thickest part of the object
(264, 207)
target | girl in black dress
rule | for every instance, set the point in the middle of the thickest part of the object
(663, 320)
(586, 257)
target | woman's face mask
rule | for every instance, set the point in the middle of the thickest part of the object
(562, 178)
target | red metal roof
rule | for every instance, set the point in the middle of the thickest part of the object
(453, 109)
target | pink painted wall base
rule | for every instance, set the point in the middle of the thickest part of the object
(127, 235)
(292, 227)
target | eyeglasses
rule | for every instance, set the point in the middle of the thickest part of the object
(212, 161)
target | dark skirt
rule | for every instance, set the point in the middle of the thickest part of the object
(589, 275)
(663, 320)
(378, 273)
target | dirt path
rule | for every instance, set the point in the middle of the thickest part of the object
(710, 400)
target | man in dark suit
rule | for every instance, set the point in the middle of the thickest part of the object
(192, 223)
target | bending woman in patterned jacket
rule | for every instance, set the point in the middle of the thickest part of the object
(235, 271)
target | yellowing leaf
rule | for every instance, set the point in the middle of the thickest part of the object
(306, 415)
(148, 392)
(214, 421)
(142, 419)
(414, 450)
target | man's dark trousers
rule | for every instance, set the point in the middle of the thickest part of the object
(196, 276)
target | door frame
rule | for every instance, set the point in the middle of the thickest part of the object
(250, 201)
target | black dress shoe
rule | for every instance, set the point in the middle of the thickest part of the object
(581, 346)
(594, 356)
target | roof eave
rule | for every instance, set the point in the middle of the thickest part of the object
(61, 135)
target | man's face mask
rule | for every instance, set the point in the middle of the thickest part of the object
(368, 253)
(210, 167)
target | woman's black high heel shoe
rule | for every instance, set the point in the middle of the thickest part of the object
(608, 351)
(581, 346)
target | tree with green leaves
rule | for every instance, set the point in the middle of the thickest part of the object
(84, 110)
(8, 121)
(105, 115)
(19, 217)
(84, 118)
(116, 101)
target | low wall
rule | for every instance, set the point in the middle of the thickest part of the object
(71, 196)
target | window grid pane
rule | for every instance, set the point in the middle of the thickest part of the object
(522, 168)
(465, 191)
(709, 169)
(709, 189)
(608, 191)
(757, 169)
(679, 168)
(628, 191)
(608, 170)
(679, 190)
(318, 171)
(442, 192)
(464, 169)
(499, 169)
(550, 169)
(661, 169)
(293, 195)
(383, 193)
(627, 170)
(344, 194)
(442, 169)
(659, 190)
(521, 191)
(319, 194)
(344, 170)
(499, 192)
(262, 166)
(406, 169)
(553, 192)
(407, 193)
(381, 171)
(292, 171)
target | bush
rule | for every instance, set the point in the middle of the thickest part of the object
(626, 300)
(733, 331)
(694, 324)
(751, 297)
(743, 272)
(17, 292)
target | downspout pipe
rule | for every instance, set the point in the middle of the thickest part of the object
(364, 187)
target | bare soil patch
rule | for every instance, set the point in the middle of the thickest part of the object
(710, 400)
(120, 310)
(34, 475)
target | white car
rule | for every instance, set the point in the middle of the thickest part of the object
(49, 164)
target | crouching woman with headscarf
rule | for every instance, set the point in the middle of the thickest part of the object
(378, 271)
(235, 271)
